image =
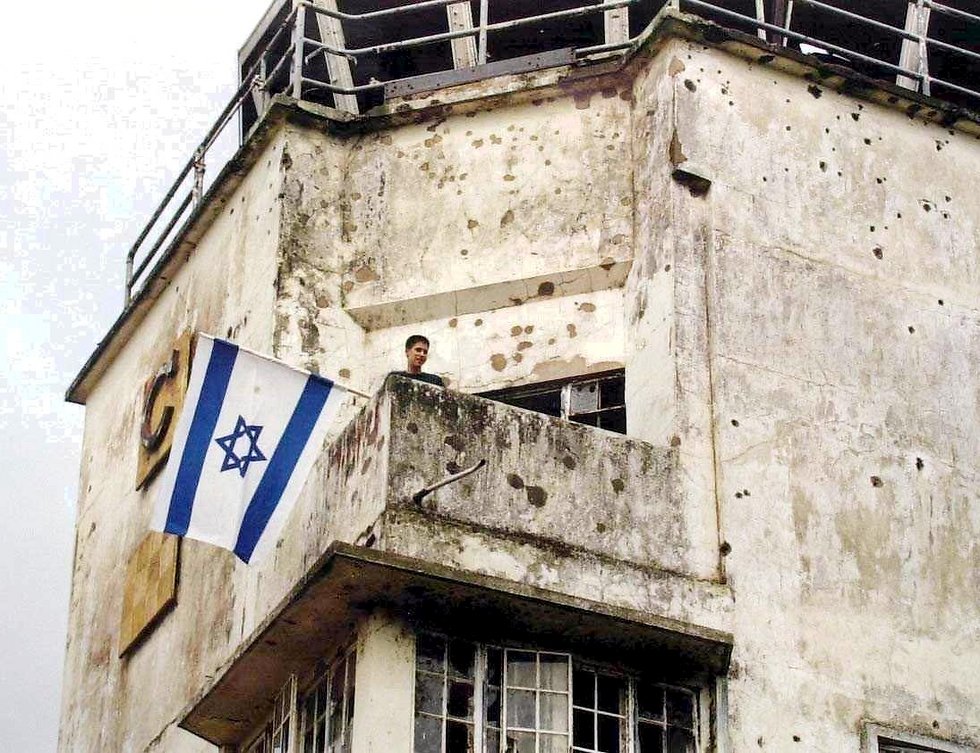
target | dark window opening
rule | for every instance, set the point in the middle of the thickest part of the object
(596, 400)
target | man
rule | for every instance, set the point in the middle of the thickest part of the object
(416, 354)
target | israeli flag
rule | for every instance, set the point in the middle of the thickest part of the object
(245, 442)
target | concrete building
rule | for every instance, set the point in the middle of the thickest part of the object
(704, 291)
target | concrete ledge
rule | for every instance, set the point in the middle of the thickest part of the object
(382, 314)
(347, 581)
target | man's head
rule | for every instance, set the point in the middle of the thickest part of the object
(416, 353)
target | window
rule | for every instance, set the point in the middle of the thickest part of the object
(882, 740)
(328, 708)
(596, 400)
(473, 698)
(274, 736)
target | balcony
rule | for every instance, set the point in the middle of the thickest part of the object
(435, 555)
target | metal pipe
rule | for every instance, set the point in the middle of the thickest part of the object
(397, 10)
(805, 38)
(951, 11)
(425, 492)
(862, 19)
(449, 35)
(175, 218)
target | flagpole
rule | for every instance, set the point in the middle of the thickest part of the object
(265, 357)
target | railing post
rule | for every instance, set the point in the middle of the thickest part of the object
(617, 24)
(338, 66)
(199, 167)
(915, 53)
(923, 68)
(128, 292)
(299, 34)
(460, 18)
(482, 43)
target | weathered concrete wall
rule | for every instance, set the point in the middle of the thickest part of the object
(512, 263)
(225, 288)
(833, 270)
(801, 337)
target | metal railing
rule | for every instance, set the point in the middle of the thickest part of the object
(294, 62)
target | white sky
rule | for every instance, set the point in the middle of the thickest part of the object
(102, 102)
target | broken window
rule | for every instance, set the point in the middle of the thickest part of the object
(597, 400)
(472, 697)
(274, 735)
(328, 708)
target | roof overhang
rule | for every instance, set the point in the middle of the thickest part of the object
(349, 582)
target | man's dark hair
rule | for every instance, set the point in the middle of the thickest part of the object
(414, 339)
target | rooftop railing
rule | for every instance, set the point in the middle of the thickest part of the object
(354, 61)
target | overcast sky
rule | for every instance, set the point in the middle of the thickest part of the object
(102, 102)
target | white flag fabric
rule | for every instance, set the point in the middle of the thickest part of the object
(246, 440)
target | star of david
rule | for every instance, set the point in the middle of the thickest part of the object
(233, 461)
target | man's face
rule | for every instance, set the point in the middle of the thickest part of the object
(417, 356)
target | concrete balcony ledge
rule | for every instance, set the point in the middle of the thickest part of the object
(565, 492)
(545, 480)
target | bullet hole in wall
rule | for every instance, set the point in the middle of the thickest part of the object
(877, 482)
(725, 549)
(919, 464)
(911, 330)
(941, 302)
(879, 254)
(735, 422)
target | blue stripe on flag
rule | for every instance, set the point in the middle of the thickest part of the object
(280, 468)
(213, 390)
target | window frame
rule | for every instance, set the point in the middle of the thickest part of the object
(323, 681)
(564, 388)
(876, 735)
(630, 721)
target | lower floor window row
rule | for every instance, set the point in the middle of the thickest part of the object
(475, 698)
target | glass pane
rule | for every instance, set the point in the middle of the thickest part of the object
(492, 700)
(651, 738)
(460, 703)
(613, 420)
(520, 708)
(492, 741)
(583, 689)
(649, 701)
(554, 712)
(680, 709)
(680, 741)
(321, 699)
(583, 729)
(430, 652)
(350, 691)
(612, 392)
(554, 672)
(609, 734)
(553, 743)
(520, 742)
(521, 669)
(462, 659)
(321, 733)
(610, 693)
(583, 398)
(459, 737)
(428, 693)
(428, 734)
(495, 663)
